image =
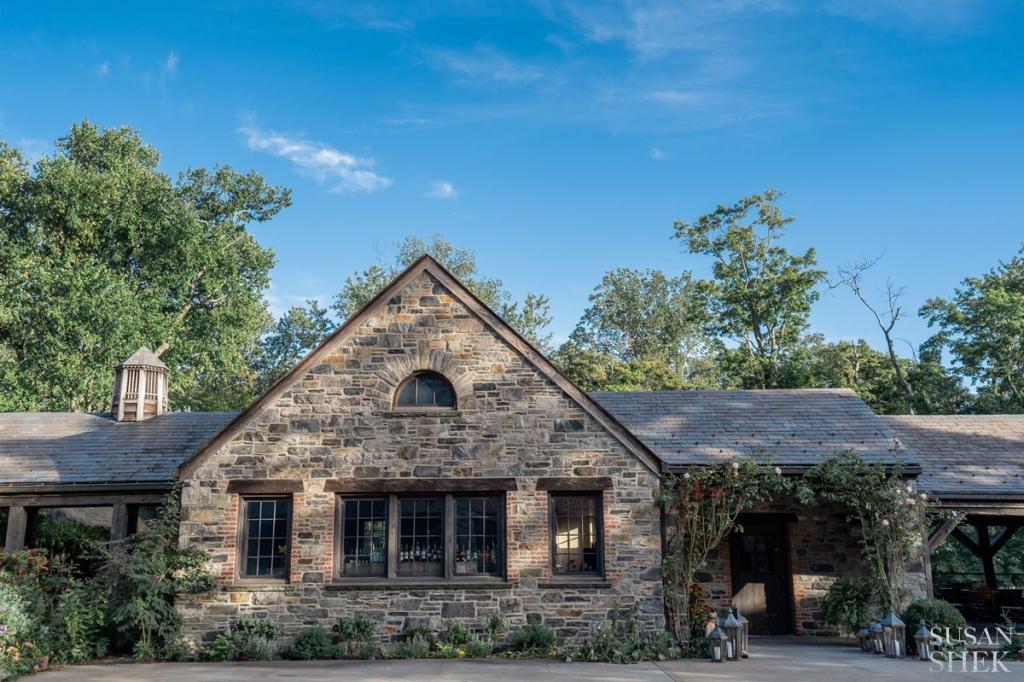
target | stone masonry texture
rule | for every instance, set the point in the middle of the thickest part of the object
(337, 422)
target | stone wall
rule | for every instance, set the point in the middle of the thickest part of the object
(823, 546)
(336, 422)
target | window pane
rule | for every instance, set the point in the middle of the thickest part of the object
(575, 533)
(426, 390)
(421, 541)
(476, 536)
(266, 542)
(365, 538)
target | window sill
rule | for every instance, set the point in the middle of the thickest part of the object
(407, 584)
(574, 583)
(418, 412)
(257, 587)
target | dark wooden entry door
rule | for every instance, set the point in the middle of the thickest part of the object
(761, 580)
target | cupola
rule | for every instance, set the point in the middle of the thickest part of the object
(140, 387)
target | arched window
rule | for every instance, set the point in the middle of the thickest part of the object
(425, 389)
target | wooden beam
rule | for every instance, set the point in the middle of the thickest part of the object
(575, 483)
(967, 542)
(119, 522)
(268, 486)
(943, 531)
(419, 485)
(1004, 537)
(985, 544)
(17, 524)
(73, 500)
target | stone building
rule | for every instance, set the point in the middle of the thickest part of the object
(425, 464)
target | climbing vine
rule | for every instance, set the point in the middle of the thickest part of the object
(701, 508)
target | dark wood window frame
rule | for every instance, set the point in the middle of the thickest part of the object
(449, 573)
(242, 539)
(417, 407)
(598, 498)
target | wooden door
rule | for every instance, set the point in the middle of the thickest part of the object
(761, 579)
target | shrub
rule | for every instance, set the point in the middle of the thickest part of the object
(252, 637)
(146, 572)
(456, 633)
(478, 647)
(848, 604)
(537, 640)
(937, 613)
(81, 623)
(421, 631)
(1014, 648)
(358, 629)
(222, 648)
(627, 641)
(414, 646)
(495, 626)
(310, 645)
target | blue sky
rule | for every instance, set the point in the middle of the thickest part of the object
(561, 139)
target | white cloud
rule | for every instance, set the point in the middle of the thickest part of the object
(102, 69)
(485, 64)
(658, 154)
(674, 97)
(342, 171)
(33, 149)
(170, 68)
(442, 189)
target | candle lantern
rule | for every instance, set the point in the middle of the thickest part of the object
(894, 636)
(925, 643)
(717, 640)
(864, 639)
(731, 627)
(876, 637)
(744, 633)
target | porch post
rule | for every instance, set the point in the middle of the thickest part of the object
(17, 522)
(987, 563)
(119, 522)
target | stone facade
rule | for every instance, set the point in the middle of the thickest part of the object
(822, 546)
(336, 422)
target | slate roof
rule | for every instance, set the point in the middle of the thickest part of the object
(69, 447)
(795, 427)
(143, 356)
(966, 454)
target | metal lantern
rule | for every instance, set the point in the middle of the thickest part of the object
(717, 639)
(923, 637)
(894, 636)
(731, 627)
(876, 637)
(864, 639)
(744, 633)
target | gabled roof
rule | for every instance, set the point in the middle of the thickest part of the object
(143, 356)
(426, 264)
(796, 427)
(53, 448)
(968, 455)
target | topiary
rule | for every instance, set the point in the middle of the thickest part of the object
(936, 613)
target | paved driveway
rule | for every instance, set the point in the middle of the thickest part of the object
(772, 660)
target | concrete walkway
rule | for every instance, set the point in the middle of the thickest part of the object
(772, 660)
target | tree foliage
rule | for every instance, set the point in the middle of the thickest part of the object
(101, 253)
(643, 330)
(296, 333)
(982, 327)
(760, 295)
(530, 317)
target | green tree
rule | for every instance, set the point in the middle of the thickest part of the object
(296, 333)
(760, 295)
(982, 328)
(869, 372)
(101, 252)
(643, 330)
(530, 317)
